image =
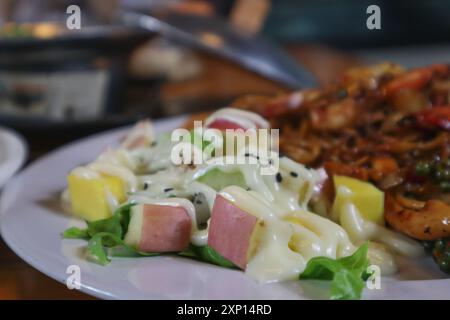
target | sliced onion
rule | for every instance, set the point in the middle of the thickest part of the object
(408, 202)
(389, 181)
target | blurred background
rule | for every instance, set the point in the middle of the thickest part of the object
(58, 84)
(76, 82)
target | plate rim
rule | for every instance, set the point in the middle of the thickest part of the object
(18, 142)
(29, 167)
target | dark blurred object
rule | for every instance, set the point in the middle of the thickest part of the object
(67, 76)
(343, 23)
(215, 36)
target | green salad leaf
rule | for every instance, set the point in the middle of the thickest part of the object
(106, 240)
(347, 275)
(76, 233)
(106, 237)
(96, 246)
(117, 225)
(207, 254)
(98, 252)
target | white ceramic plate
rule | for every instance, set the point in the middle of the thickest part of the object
(32, 222)
(13, 152)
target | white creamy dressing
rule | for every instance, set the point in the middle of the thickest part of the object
(361, 230)
(121, 163)
(115, 170)
(383, 242)
(292, 236)
(142, 132)
(86, 173)
(275, 259)
(285, 195)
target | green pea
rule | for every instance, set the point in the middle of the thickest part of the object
(438, 175)
(445, 186)
(442, 174)
(423, 168)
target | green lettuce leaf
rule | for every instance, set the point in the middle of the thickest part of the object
(347, 275)
(97, 248)
(76, 233)
(207, 254)
(106, 237)
(117, 225)
(106, 240)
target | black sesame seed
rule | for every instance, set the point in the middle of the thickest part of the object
(198, 202)
(168, 189)
(247, 155)
(146, 186)
(294, 174)
(279, 177)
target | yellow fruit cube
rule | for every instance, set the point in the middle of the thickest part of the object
(368, 199)
(88, 196)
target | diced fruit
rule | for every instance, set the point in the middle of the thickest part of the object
(89, 196)
(233, 232)
(159, 228)
(218, 179)
(368, 200)
(223, 124)
(231, 118)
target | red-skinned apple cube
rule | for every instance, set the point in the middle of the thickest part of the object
(233, 232)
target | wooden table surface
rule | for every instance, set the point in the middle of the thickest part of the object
(18, 280)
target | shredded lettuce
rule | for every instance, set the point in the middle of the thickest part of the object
(347, 275)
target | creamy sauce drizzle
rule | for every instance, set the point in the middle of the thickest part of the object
(292, 235)
(276, 259)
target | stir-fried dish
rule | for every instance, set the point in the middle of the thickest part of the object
(381, 124)
(360, 171)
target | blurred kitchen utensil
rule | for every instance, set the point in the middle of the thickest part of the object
(217, 37)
